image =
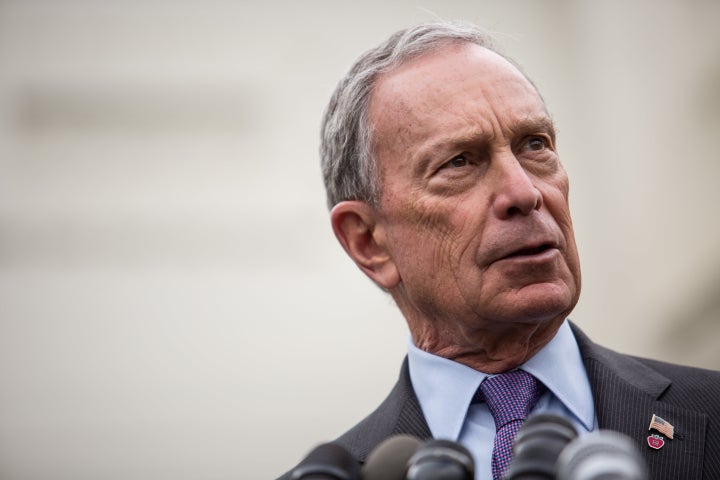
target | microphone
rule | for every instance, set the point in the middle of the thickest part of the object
(328, 461)
(601, 455)
(441, 460)
(389, 460)
(537, 446)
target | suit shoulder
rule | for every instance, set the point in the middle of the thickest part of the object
(683, 373)
(689, 384)
(655, 377)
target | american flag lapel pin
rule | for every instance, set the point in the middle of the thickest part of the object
(658, 424)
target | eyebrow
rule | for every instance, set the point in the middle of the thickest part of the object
(533, 124)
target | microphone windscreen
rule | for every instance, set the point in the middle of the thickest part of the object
(389, 460)
(328, 461)
(441, 460)
(537, 447)
(601, 455)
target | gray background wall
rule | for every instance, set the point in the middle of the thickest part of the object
(172, 301)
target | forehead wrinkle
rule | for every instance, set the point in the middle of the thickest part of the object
(466, 126)
(446, 145)
(480, 128)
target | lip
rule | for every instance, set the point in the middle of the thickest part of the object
(534, 251)
(538, 254)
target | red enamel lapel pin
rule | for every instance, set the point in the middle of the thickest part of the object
(655, 441)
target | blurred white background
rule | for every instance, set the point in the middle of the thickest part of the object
(173, 304)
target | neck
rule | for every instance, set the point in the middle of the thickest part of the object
(492, 349)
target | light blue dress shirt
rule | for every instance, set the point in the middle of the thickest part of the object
(445, 389)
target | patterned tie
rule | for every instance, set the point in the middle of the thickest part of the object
(510, 397)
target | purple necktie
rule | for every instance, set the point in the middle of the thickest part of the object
(510, 397)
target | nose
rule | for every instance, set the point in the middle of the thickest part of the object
(515, 192)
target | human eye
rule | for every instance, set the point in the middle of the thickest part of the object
(536, 143)
(456, 162)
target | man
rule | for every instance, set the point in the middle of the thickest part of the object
(446, 189)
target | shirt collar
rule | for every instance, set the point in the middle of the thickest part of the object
(560, 367)
(444, 388)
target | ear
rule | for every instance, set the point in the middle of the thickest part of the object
(356, 227)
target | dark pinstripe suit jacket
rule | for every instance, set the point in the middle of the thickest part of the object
(627, 392)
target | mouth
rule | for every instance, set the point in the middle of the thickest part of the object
(530, 251)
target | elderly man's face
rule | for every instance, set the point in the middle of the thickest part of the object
(474, 203)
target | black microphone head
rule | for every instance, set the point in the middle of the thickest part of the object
(389, 460)
(328, 461)
(441, 460)
(601, 455)
(537, 446)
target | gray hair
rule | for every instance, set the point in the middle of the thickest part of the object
(348, 165)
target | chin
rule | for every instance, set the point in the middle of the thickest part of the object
(538, 303)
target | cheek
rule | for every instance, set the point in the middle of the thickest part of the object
(557, 204)
(435, 236)
(416, 216)
(555, 197)
(425, 233)
(573, 257)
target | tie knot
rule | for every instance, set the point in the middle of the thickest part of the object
(510, 396)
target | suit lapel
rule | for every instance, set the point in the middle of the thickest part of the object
(411, 420)
(627, 393)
